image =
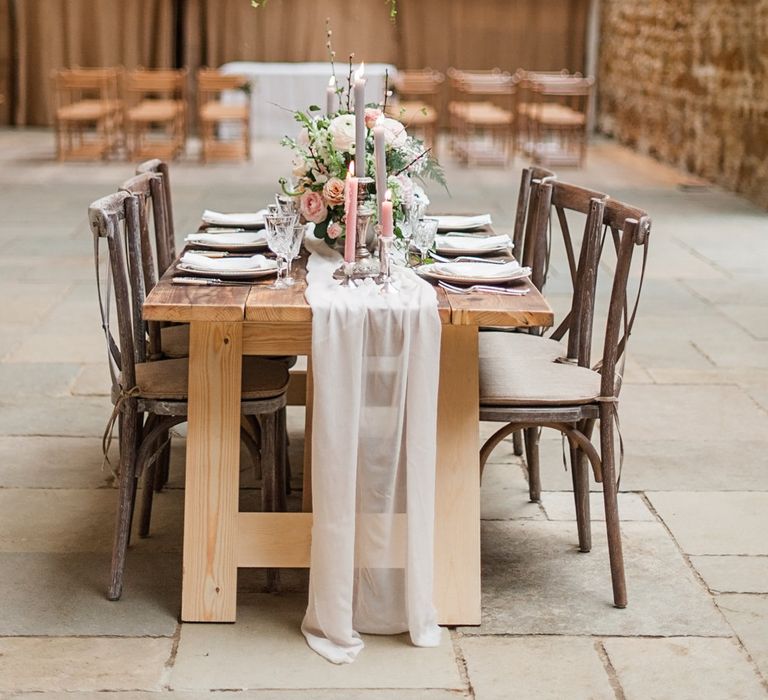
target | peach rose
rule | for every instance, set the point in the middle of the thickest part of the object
(371, 115)
(333, 191)
(312, 207)
(335, 230)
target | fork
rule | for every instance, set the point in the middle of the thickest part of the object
(522, 291)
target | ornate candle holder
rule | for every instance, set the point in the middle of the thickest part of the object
(385, 265)
(365, 264)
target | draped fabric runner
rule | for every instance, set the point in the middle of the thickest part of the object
(375, 363)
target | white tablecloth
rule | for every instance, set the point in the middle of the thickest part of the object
(295, 86)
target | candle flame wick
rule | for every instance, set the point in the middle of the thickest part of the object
(351, 169)
(360, 71)
(388, 195)
(332, 81)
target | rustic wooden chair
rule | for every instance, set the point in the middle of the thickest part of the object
(566, 391)
(155, 98)
(213, 111)
(481, 115)
(557, 120)
(86, 99)
(418, 111)
(158, 390)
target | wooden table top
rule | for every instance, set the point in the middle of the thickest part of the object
(259, 304)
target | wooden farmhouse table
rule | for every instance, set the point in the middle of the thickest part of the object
(229, 322)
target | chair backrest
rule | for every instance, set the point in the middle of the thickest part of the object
(210, 82)
(426, 81)
(482, 83)
(167, 84)
(166, 250)
(572, 92)
(115, 219)
(529, 174)
(75, 84)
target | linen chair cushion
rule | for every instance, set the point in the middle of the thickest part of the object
(516, 346)
(155, 110)
(174, 340)
(506, 381)
(219, 111)
(168, 379)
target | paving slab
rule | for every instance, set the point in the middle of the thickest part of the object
(735, 522)
(725, 574)
(672, 465)
(27, 302)
(92, 380)
(271, 694)
(60, 347)
(535, 581)
(81, 520)
(683, 669)
(40, 664)
(38, 380)
(559, 505)
(748, 615)
(266, 649)
(546, 668)
(56, 594)
(53, 462)
(83, 416)
(504, 494)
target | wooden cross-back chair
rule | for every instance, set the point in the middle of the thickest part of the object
(416, 106)
(481, 114)
(158, 390)
(563, 388)
(155, 98)
(214, 111)
(87, 112)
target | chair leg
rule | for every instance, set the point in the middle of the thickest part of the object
(283, 444)
(610, 497)
(532, 460)
(272, 486)
(517, 443)
(140, 431)
(126, 491)
(163, 471)
(580, 477)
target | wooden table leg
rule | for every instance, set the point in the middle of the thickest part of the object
(209, 584)
(457, 496)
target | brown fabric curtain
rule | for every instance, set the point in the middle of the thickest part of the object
(53, 34)
(38, 36)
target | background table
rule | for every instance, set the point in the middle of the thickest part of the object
(229, 322)
(295, 86)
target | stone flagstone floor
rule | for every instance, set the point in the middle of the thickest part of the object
(694, 489)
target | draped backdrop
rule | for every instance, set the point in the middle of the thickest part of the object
(39, 36)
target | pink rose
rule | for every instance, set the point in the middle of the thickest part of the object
(371, 115)
(333, 191)
(312, 207)
(335, 230)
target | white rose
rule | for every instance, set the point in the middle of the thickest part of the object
(300, 167)
(395, 135)
(303, 137)
(342, 131)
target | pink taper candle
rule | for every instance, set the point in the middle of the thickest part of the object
(350, 209)
(387, 218)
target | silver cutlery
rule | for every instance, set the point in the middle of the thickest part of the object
(223, 229)
(512, 292)
(210, 282)
(470, 258)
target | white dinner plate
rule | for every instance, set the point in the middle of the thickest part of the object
(462, 223)
(469, 246)
(229, 274)
(230, 247)
(432, 272)
(235, 241)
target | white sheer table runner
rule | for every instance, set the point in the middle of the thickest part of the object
(375, 362)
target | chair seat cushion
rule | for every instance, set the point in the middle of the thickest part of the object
(215, 111)
(86, 110)
(155, 111)
(535, 382)
(519, 346)
(168, 379)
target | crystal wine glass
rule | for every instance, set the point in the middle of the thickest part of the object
(279, 240)
(424, 232)
(297, 237)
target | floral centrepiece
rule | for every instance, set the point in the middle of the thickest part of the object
(323, 151)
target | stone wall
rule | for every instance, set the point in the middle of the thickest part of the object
(687, 82)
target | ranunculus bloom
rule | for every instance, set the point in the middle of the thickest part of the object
(342, 131)
(371, 115)
(335, 229)
(333, 191)
(395, 135)
(312, 207)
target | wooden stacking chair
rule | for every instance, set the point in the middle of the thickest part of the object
(157, 390)
(481, 115)
(87, 113)
(526, 79)
(214, 112)
(418, 111)
(550, 385)
(557, 121)
(155, 113)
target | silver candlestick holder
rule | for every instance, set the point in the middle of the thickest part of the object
(385, 265)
